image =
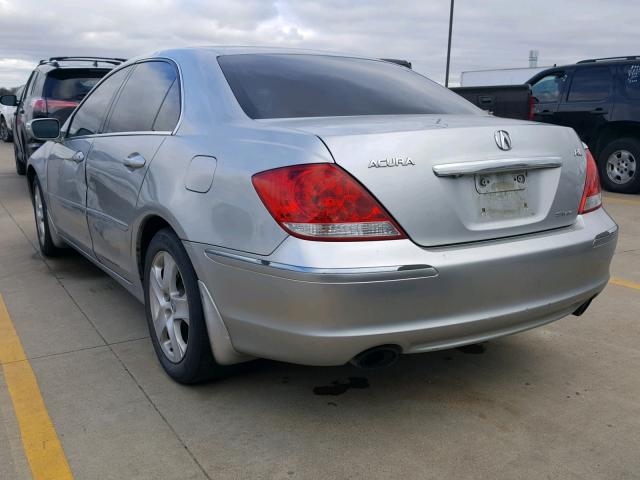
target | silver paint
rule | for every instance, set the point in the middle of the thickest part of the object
(463, 276)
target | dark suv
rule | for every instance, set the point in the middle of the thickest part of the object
(600, 100)
(54, 89)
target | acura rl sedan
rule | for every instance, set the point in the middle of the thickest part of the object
(317, 208)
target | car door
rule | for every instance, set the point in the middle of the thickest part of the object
(587, 105)
(66, 175)
(119, 160)
(546, 93)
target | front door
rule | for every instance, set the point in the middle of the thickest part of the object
(67, 190)
(546, 95)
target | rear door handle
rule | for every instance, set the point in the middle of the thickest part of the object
(134, 161)
(78, 157)
(544, 113)
(598, 111)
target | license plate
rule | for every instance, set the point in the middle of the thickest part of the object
(501, 182)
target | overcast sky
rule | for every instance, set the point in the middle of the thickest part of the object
(487, 33)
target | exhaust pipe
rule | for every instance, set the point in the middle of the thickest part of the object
(377, 357)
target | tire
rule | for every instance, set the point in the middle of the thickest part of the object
(169, 281)
(619, 166)
(21, 166)
(5, 133)
(47, 247)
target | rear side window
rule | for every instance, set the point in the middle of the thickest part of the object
(549, 88)
(590, 84)
(631, 79)
(169, 112)
(142, 97)
(71, 83)
(90, 115)
(300, 85)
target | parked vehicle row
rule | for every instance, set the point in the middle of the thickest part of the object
(7, 115)
(599, 99)
(507, 101)
(54, 89)
(316, 208)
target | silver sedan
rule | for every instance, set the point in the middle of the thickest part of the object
(317, 208)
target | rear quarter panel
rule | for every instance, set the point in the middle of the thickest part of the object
(230, 214)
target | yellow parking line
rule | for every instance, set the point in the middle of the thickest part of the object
(624, 201)
(39, 438)
(624, 283)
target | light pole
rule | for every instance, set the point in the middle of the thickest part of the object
(446, 78)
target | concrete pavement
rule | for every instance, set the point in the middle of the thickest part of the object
(557, 402)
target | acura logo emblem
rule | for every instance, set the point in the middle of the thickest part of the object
(503, 140)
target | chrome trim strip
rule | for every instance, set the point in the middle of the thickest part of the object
(495, 166)
(427, 269)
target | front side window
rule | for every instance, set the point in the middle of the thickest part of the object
(590, 84)
(90, 115)
(301, 85)
(549, 88)
(142, 97)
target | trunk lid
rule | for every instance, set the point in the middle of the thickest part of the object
(445, 179)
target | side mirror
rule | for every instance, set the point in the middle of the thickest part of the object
(44, 128)
(9, 100)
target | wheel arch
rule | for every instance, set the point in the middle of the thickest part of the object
(150, 224)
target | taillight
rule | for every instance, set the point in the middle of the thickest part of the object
(44, 107)
(39, 107)
(591, 197)
(532, 104)
(54, 105)
(320, 201)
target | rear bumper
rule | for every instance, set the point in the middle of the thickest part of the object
(322, 303)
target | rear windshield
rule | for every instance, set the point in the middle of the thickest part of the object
(71, 83)
(302, 85)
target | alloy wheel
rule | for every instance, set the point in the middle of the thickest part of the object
(169, 306)
(621, 167)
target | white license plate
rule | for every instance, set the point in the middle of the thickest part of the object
(501, 182)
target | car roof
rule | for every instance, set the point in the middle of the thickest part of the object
(585, 64)
(596, 62)
(240, 50)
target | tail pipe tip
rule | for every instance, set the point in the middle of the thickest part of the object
(377, 357)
